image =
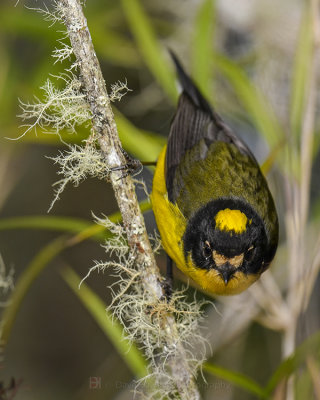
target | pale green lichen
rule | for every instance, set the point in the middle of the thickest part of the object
(77, 163)
(118, 90)
(164, 330)
(67, 108)
(60, 109)
(144, 317)
(64, 52)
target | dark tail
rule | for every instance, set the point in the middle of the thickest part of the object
(189, 87)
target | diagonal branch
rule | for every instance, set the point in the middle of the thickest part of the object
(106, 131)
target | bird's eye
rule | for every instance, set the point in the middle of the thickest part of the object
(207, 252)
(248, 255)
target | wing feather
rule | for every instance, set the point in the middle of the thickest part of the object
(195, 120)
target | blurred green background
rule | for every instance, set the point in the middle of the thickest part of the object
(252, 60)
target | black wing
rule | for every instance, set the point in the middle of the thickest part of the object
(194, 121)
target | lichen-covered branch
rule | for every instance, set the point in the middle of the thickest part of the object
(105, 130)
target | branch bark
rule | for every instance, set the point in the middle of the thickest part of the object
(106, 130)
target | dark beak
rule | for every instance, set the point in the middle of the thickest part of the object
(226, 271)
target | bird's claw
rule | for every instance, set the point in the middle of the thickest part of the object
(131, 167)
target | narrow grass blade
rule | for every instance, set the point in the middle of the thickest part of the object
(113, 47)
(310, 346)
(36, 266)
(84, 229)
(303, 387)
(49, 137)
(202, 47)
(271, 159)
(27, 23)
(144, 145)
(141, 144)
(258, 108)
(45, 255)
(149, 46)
(301, 72)
(236, 378)
(109, 324)
(64, 224)
(314, 370)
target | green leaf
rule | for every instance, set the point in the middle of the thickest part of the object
(202, 47)
(47, 254)
(303, 386)
(236, 378)
(108, 323)
(301, 72)
(271, 158)
(27, 23)
(64, 224)
(315, 210)
(258, 108)
(149, 46)
(36, 266)
(142, 144)
(82, 228)
(290, 365)
(111, 46)
(47, 136)
(316, 143)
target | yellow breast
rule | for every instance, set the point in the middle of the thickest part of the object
(172, 225)
(170, 221)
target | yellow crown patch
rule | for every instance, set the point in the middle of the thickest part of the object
(231, 220)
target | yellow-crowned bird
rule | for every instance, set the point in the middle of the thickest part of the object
(212, 204)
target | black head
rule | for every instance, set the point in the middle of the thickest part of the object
(227, 235)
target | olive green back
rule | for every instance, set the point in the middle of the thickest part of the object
(224, 173)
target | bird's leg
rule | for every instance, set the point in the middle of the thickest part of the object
(132, 165)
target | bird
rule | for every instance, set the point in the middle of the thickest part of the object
(215, 213)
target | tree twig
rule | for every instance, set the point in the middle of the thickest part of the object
(106, 131)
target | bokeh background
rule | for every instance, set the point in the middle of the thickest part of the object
(252, 59)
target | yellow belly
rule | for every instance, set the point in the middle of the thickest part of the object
(172, 225)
